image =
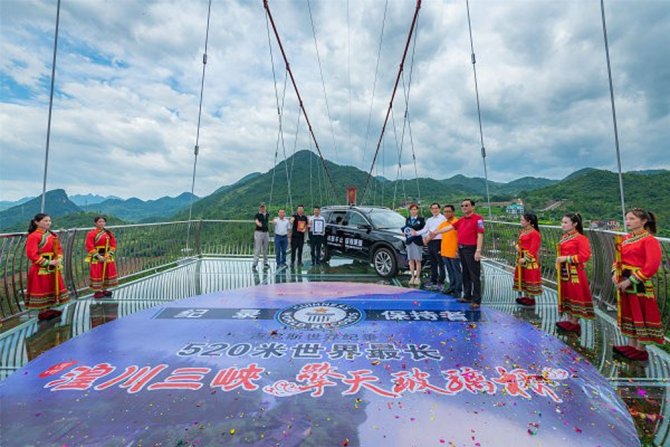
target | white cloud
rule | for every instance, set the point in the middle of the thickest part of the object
(128, 85)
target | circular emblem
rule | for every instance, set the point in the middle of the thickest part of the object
(408, 231)
(319, 316)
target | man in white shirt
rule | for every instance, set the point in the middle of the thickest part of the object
(437, 273)
(282, 225)
(317, 233)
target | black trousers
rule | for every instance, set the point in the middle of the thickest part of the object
(437, 273)
(316, 242)
(297, 242)
(472, 283)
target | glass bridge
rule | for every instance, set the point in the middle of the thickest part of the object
(165, 262)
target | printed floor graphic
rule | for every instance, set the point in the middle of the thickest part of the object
(314, 364)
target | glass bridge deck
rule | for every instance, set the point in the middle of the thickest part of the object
(644, 387)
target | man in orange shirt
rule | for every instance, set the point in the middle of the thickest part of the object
(449, 252)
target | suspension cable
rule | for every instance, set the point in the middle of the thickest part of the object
(51, 103)
(374, 82)
(196, 148)
(280, 110)
(311, 190)
(395, 88)
(323, 82)
(297, 92)
(406, 123)
(399, 147)
(616, 130)
(383, 171)
(479, 114)
(407, 117)
(295, 147)
(349, 73)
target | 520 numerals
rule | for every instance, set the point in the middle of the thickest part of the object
(214, 349)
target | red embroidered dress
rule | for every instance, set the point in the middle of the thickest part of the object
(102, 274)
(42, 247)
(575, 294)
(639, 315)
(527, 276)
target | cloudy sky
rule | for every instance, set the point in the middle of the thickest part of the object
(128, 84)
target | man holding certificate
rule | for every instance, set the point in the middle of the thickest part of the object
(317, 233)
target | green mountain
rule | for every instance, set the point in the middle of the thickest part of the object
(82, 219)
(18, 217)
(136, 210)
(504, 191)
(472, 185)
(580, 173)
(525, 184)
(5, 204)
(595, 194)
(244, 179)
(309, 186)
(89, 199)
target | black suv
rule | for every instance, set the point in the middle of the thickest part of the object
(367, 233)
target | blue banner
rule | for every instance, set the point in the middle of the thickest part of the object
(314, 364)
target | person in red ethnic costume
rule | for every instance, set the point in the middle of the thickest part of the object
(527, 275)
(45, 288)
(639, 316)
(574, 297)
(100, 248)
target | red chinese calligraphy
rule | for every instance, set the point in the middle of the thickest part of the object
(182, 379)
(316, 376)
(362, 378)
(518, 381)
(133, 378)
(80, 378)
(232, 378)
(468, 379)
(413, 381)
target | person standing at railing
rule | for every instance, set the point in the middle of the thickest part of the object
(281, 224)
(470, 229)
(414, 244)
(100, 247)
(527, 275)
(574, 297)
(449, 253)
(434, 242)
(298, 230)
(261, 236)
(317, 234)
(639, 316)
(45, 287)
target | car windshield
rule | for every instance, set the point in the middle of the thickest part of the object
(386, 219)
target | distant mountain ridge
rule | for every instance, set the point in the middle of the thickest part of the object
(592, 192)
(242, 198)
(18, 216)
(595, 194)
(90, 199)
(59, 205)
(137, 210)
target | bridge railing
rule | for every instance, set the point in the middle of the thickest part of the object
(143, 249)
(147, 248)
(499, 245)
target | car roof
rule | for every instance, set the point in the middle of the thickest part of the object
(363, 209)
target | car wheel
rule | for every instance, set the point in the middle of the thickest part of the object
(384, 262)
(325, 253)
